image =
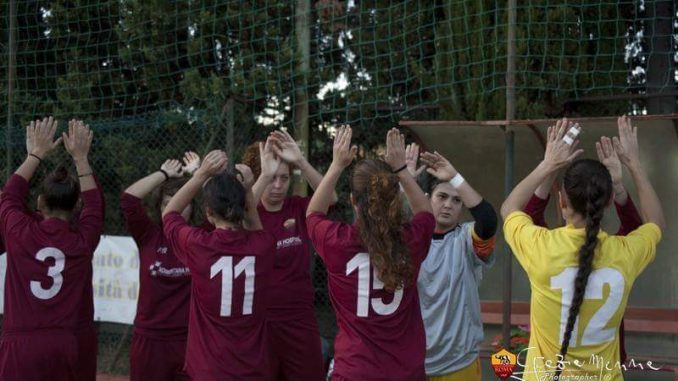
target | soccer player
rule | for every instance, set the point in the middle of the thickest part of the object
(373, 264)
(293, 329)
(626, 209)
(48, 259)
(161, 322)
(580, 277)
(230, 268)
(451, 273)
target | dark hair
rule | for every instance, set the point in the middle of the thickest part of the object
(380, 219)
(225, 196)
(168, 189)
(60, 191)
(588, 186)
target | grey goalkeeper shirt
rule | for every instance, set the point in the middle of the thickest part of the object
(450, 305)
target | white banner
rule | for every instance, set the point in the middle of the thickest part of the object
(115, 282)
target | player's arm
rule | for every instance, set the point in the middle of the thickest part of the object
(559, 153)
(214, 163)
(342, 156)
(251, 220)
(626, 147)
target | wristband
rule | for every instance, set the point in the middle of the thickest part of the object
(400, 169)
(457, 180)
(164, 173)
(36, 156)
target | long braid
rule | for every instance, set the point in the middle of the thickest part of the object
(597, 193)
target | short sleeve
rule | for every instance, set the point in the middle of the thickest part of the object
(420, 233)
(180, 235)
(523, 236)
(326, 235)
(642, 244)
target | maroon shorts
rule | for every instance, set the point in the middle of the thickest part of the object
(297, 353)
(157, 359)
(87, 353)
(38, 356)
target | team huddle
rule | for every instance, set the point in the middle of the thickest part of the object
(231, 298)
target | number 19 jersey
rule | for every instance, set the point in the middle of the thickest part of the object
(381, 334)
(550, 258)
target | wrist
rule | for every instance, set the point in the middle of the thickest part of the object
(547, 166)
(80, 160)
(39, 153)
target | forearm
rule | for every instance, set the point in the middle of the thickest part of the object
(313, 177)
(259, 187)
(322, 198)
(28, 167)
(415, 196)
(620, 193)
(252, 220)
(469, 196)
(524, 190)
(84, 172)
(183, 197)
(544, 189)
(146, 185)
(650, 208)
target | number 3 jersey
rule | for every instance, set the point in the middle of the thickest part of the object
(550, 259)
(231, 272)
(381, 334)
(48, 261)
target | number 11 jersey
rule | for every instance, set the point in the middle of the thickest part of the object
(231, 272)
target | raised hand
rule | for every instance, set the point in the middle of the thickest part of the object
(172, 168)
(244, 174)
(78, 141)
(438, 166)
(40, 137)
(214, 163)
(559, 152)
(191, 163)
(411, 157)
(270, 162)
(608, 156)
(395, 149)
(626, 145)
(342, 151)
(286, 147)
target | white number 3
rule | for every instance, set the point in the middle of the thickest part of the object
(53, 272)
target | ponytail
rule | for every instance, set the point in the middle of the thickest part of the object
(588, 186)
(380, 220)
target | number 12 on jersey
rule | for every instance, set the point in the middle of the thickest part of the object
(228, 274)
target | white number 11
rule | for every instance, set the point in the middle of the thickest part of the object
(225, 266)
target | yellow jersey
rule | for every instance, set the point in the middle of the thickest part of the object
(550, 259)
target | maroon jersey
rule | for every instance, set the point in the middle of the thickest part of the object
(231, 272)
(293, 290)
(381, 334)
(49, 261)
(164, 281)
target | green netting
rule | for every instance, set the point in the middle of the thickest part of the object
(155, 77)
